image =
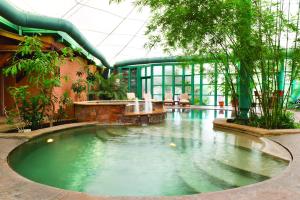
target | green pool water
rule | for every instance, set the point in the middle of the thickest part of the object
(182, 156)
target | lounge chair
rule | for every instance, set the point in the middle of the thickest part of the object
(184, 100)
(147, 96)
(131, 96)
(169, 99)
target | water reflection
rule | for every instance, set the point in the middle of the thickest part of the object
(183, 155)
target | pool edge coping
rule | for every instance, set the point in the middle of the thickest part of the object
(224, 125)
(11, 175)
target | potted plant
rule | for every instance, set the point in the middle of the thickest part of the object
(221, 102)
(235, 100)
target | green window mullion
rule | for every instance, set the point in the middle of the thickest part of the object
(163, 82)
(173, 80)
(146, 82)
(151, 87)
(192, 85)
(139, 83)
(201, 85)
(129, 79)
(183, 79)
(216, 84)
(226, 84)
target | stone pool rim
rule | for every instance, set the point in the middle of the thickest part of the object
(14, 186)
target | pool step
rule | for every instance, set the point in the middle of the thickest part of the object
(250, 160)
(229, 166)
(116, 131)
(229, 174)
(200, 180)
(103, 135)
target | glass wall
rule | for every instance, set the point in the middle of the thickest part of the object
(200, 81)
(205, 83)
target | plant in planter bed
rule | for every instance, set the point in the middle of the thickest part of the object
(41, 69)
(110, 88)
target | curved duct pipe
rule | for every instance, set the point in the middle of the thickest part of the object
(158, 60)
(28, 20)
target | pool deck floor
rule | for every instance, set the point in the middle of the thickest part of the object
(285, 186)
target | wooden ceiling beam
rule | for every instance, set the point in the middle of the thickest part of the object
(14, 48)
(11, 35)
(48, 41)
(4, 58)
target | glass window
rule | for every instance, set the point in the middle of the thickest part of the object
(157, 90)
(178, 80)
(208, 90)
(208, 100)
(149, 71)
(168, 89)
(221, 90)
(221, 98)
(207, 80)
(143, 71)
(168, 70)
(197, 79)
(144, 82)
(168, 80)
(157, 80)
(178, 90)
(188, 80)
(188, 70)
(188, 89)
(157, 97)
(148, 84)
(157, 70)
(197, 89)
(178, 70)
(208, 68)
(197, 69)
(221, 79)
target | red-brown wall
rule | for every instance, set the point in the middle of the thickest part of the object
(69, 68)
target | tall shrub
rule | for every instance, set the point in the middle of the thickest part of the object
(260, 39)
(41, 67)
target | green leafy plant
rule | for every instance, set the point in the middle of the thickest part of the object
(110, 88)
(259, 39)
(28, 109)
(79, 85)
(42, 71)
(64, 101)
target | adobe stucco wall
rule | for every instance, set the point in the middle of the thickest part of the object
(68, 69)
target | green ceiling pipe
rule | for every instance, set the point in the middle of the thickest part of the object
(175, 59)
(25, 19)
(145, 61)
(158, 60)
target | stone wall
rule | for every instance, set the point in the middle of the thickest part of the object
(104, 114)
(113, 112)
